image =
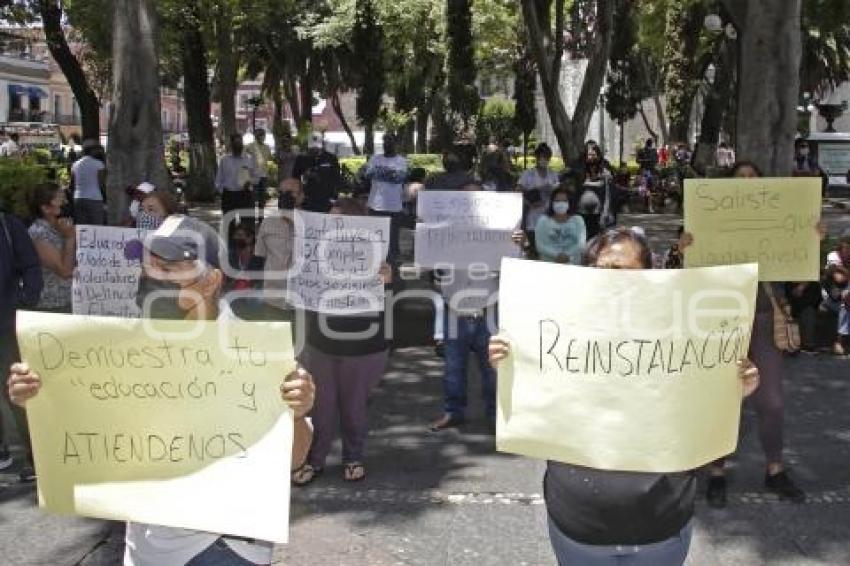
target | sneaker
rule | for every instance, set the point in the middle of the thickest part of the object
(5, 457)
(716, 492)
(27, 474)
(447, 421)
(782, 485)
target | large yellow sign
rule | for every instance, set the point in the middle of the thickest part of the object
(171, 423)
(772, 222)
(629, 370)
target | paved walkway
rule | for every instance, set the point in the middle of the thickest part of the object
(449, 499)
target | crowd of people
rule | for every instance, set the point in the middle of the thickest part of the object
(569, 217)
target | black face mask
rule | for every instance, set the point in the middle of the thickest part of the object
(165, 305)
(287, 201)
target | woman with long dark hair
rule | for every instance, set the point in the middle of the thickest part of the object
(597, 199)
(55, 242)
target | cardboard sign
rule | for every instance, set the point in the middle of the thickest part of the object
(633, 371)
(772, 222)
(174, 423)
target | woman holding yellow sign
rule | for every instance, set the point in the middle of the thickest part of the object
(598, 516)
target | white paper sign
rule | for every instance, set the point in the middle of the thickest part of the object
(463, 228)
(337, 260)
(450, 245)
(106, 278)
(496, 211)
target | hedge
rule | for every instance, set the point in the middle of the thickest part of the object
(17, 178)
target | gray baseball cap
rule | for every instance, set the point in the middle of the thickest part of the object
(181, 238)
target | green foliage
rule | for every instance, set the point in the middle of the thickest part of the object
(17, 178)
(496, 123)
(368, 48)
(462, 91)
(626, 88)
(826, 45)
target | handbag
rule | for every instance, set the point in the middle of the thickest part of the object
(786, 330)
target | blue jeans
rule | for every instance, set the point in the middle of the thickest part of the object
(219, 554)
(471, 334)
(843, 315)
(670, 552)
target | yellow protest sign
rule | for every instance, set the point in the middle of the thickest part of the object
(772, 222)
(173, 423)
(630, 371)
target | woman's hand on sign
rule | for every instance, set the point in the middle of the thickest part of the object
(299, 392)
(23, 384)
(386, 273)
(822, 231)
(749, 375)
(686, 240)
(499, 349)
(562, 258)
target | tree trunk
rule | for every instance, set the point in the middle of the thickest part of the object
(684, 23)
(570, 132)
(716, 103)
(337, 107)
(770, 44)
(422, 115)
(280, 129)
(228, 69)
(305, 91)
(196, 89)
(290, 90)
(622, 143)
(136, 152)
(51, 19)
(369, 141)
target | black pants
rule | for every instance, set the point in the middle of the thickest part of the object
(89, 211)
(9, 354)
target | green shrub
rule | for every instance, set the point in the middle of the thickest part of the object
(431, 162)
(17, 178)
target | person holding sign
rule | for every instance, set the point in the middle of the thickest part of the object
(470, 297)
(561, 235)
(348, 355)
(604, 517)
(178, 284)
(769, 401)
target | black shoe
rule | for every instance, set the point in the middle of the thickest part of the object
(27, 475)
(5, 457)
(440, 350)
(716, 492)
(782, 485)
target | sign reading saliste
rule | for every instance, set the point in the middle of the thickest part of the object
(636, 372)
(106, 278)
(336, 262)
(172, 423)
(772, 222)
(462, 228)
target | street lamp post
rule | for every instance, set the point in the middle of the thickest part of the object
(254, 102)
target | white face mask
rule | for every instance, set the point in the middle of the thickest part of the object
(561, 207)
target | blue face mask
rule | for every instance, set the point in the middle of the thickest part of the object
(147, 221)
(561, 207)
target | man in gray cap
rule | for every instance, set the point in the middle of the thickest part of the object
(178, 283)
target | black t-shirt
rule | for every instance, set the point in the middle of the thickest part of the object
(605, 508)
(371, 329)
(322, 180)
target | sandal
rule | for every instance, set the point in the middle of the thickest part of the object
(305, 475)
(354, 471)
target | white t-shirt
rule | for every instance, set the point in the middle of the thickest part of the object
(275, 243)
(86, 182)
(153, 545)
(388, 175)
(532, 179)
(9, 149)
